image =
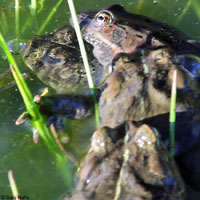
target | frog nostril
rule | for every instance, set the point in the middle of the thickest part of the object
(139, 36)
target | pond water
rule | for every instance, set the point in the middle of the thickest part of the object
(39, 173)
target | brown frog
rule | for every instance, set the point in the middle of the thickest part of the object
(113, 30)
(140, 89)
(122, 166)
(143, 54)
(139, 85)
(56, 60)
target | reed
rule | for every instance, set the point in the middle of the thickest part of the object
(33, 7)
(32, 108)
(139, 6)
(13, 185)
(36, 117)
(4, 22)
(17, 18)
(172, 115)
(51, 14)
(85, 58)
(196, 8)
(41, 6)
(33, 17)
(187, 6)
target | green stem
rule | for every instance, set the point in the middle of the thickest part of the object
(183, 12)
(13, 185)
(17, 19)
(33, 7)
(32, 108)
(41, 3)
(172, 116)
(4, 22)
(53, 11)
(84, 57)
(196, 7)
(139, 6)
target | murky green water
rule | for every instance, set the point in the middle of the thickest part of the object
(40, 174)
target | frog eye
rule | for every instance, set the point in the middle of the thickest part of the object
(104, 18)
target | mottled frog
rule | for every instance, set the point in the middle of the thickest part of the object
(56, 60)
(133, 62)
(134, 166)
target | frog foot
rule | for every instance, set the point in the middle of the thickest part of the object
(22, 118)
(37, 98)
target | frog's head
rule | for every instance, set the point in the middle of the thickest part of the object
(110, 32)
(113, 30)
(37, 47)
(55, 59)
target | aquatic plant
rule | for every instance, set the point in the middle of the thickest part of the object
(172, 115)
(37, 119)
(85, 58)
(13, 185)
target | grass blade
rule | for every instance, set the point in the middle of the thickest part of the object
(68, 154)
(4, 22)
(172, 116)
(196, 7)
(41, 5)
(84, 57)
(139, 6)
(33, 7)
(13, 185)
(33, 18)
(17, 20)
(184, 12)
(51, 14)
(32, 108)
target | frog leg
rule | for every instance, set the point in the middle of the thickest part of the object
(58, 107)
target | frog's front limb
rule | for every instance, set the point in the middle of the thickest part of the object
(66, 106)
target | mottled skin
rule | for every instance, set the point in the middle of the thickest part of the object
(138, 87)
(143, 54)
(142, 60)
(56, 60)
(113, 30)
(137, 168)
(138, 90)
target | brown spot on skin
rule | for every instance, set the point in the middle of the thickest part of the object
(155, 166)
(161, 57)
(159, 102)
(87, 169)
(114, 81)
(131, 42)
(129, 103)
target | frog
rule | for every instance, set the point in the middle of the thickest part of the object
(135, 90)
(142, 89)
(143, 67)
(55, 59)
(138, 84)
(128, 162)
(114, 30)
